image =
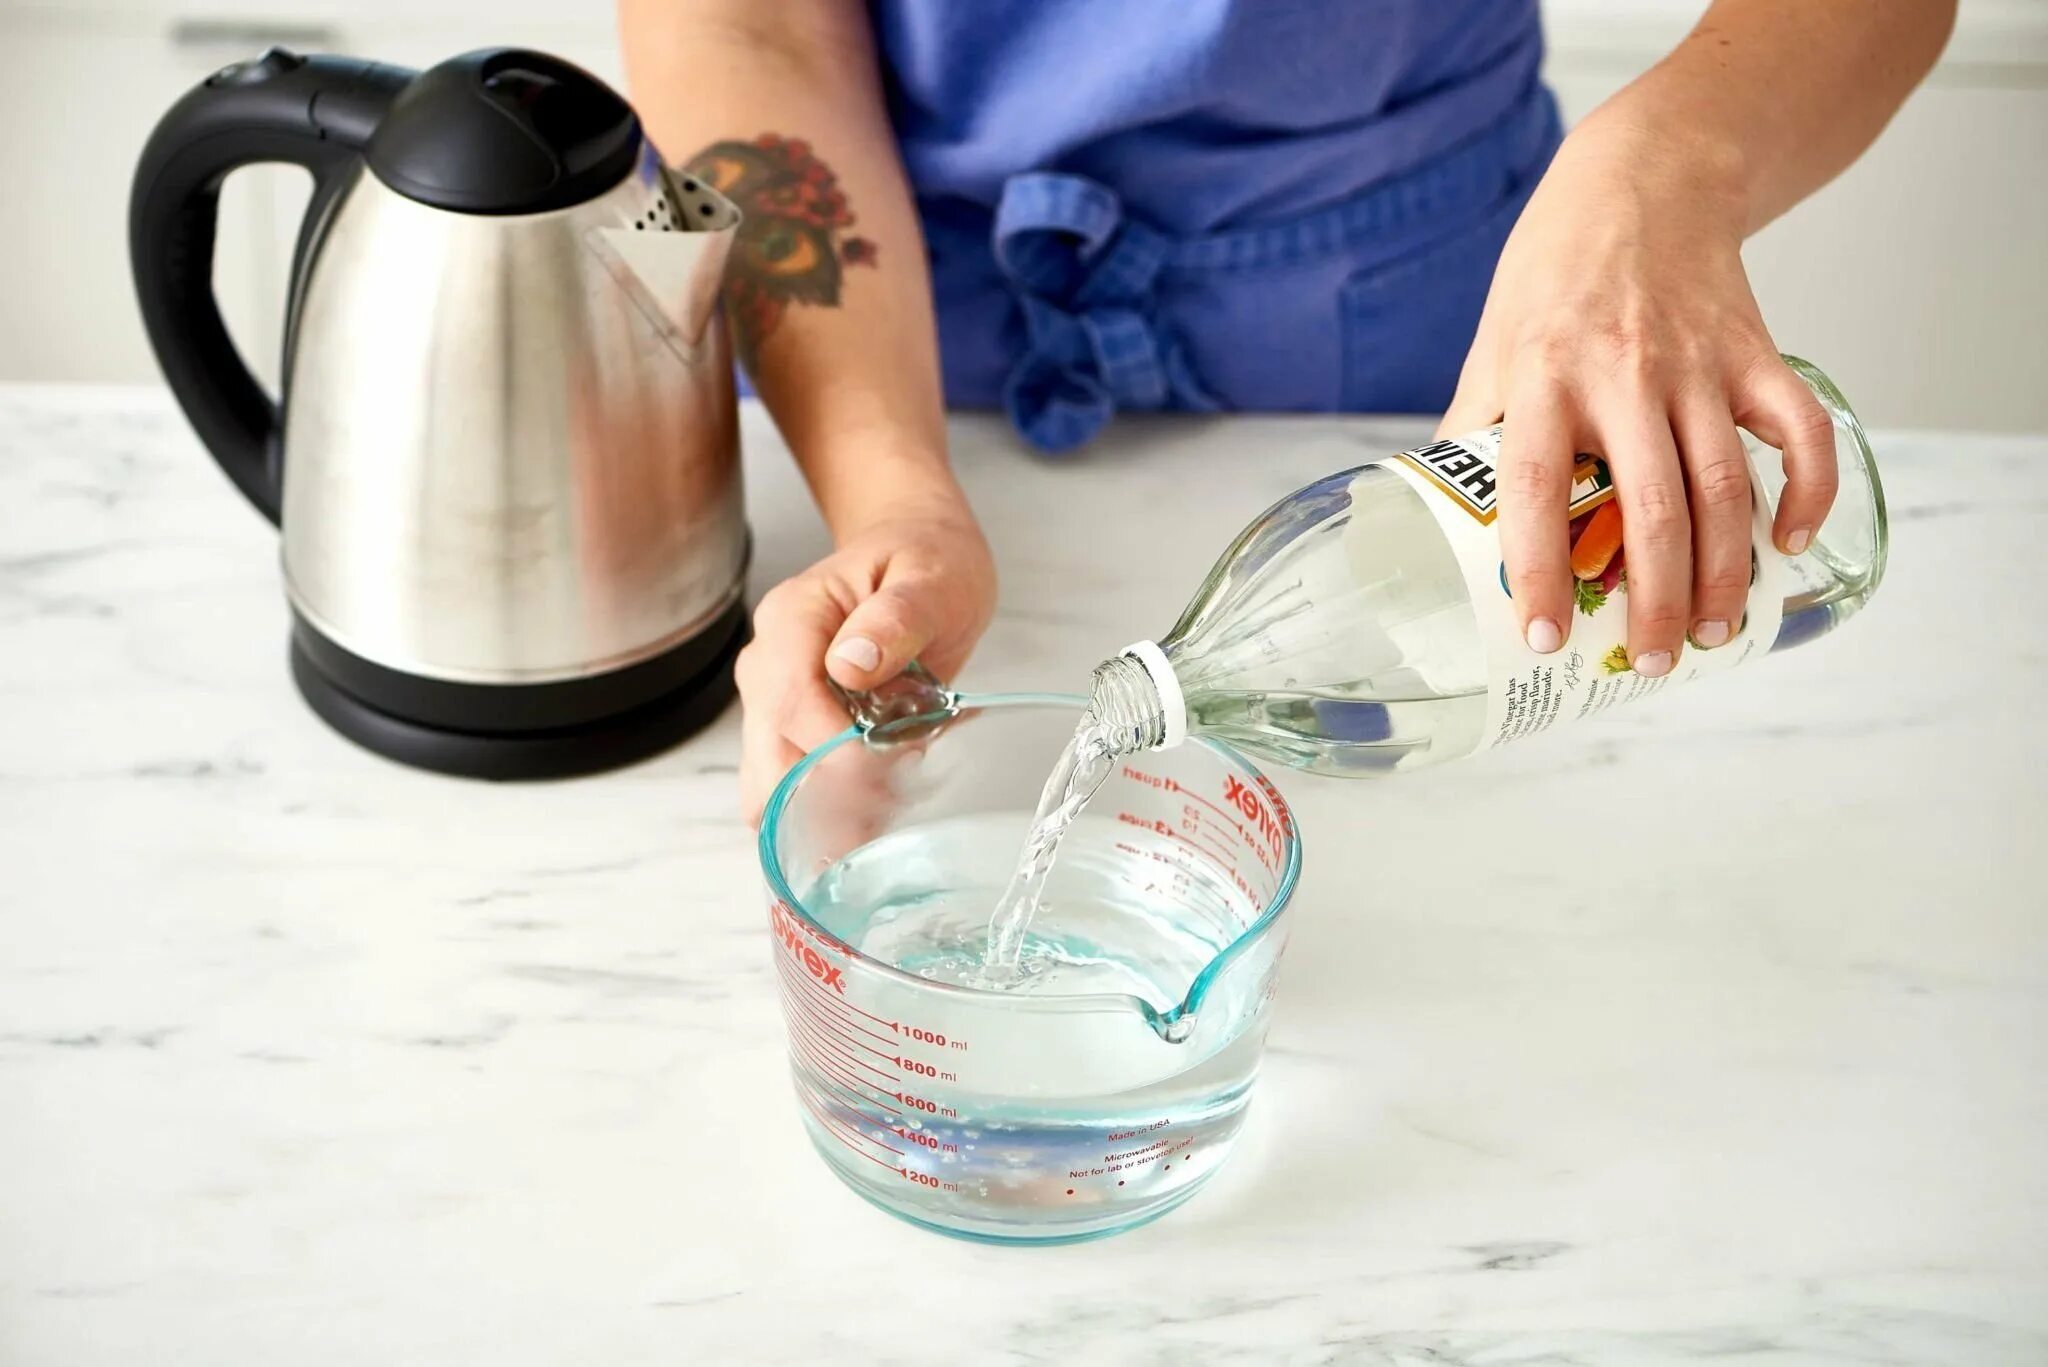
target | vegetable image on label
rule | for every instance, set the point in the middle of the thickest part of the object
(1598, 571)
(1598, 568)
(1596, 541)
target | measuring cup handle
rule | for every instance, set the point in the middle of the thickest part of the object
(912, 701)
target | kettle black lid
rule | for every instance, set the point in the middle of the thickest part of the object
(505, 131)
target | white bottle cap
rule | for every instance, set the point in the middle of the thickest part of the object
(1175, 703)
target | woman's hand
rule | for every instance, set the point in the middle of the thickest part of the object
(1620, 324)
(914, 582)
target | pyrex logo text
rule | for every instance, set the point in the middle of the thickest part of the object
(1255, 811)
(816, 964)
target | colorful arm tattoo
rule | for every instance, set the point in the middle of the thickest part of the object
(792, 246)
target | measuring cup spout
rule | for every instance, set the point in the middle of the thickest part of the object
(1177, 1024)
(1232, 989)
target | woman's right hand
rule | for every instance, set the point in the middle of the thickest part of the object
(914, 581)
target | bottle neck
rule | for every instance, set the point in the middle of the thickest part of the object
(1127, 703)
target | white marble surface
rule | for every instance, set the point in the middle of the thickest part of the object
(1718, 1030)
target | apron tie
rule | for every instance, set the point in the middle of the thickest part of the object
(1083, 274)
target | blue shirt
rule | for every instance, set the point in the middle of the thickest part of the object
(1258, 204)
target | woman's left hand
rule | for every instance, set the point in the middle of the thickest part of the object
(1620, 323)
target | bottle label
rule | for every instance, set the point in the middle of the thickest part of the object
(1528, 693)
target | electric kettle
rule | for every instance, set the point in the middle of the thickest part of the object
(504, 462)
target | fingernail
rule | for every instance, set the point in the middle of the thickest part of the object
(1710, 633)
(1654, 665)
(858, 651)
(1796, 542)
(1544, 637)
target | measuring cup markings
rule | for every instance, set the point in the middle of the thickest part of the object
(823, 1040)
(1270, 816)
(822, 972)
(790, 933)
(1179, 880)
(836, 1048)
(847, 1137)
(1270, 825)
(1236, 792)
(1210, 840)
(846, 1134)
(856, 1092)
(837, 1032)
(1227, 867)
(828, 1010)
(826, 1034)
(1072, 1114)
(812, 1029)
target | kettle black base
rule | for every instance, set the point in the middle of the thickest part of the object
(522, 731)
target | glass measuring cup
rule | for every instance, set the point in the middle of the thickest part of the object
(1086, 1101)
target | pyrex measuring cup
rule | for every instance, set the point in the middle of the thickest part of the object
(1020, 1115)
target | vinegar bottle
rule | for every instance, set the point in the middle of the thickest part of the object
(1362, 624)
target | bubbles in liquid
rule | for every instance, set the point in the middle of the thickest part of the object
(1140, 924)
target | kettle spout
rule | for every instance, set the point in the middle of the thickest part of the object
(675, 277)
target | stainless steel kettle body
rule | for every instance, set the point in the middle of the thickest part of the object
(506, 460)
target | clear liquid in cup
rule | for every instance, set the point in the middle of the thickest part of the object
(1124, 912)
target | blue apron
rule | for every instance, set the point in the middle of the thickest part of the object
(1214, 204)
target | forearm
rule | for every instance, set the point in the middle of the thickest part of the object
(1766, 101)
(828, 292)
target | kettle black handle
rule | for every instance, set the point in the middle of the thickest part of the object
(316, 112)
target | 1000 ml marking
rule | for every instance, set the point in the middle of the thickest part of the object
(931, 1037)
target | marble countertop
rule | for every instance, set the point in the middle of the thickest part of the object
(1716, 1029)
